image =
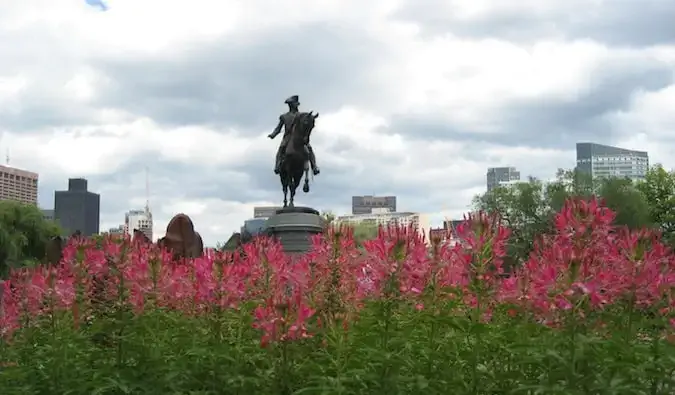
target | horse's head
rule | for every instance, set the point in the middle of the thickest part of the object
(305, 123)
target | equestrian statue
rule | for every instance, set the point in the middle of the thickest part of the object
(295, 154)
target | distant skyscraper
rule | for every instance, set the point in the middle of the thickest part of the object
(606, 161)
(366, 203)
(77, 208)
(18, 185)
(501, 176)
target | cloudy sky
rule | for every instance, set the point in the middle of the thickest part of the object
(417, 97)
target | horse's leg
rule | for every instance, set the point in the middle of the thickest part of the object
(284, 187)
(294, 181)
(305, 188)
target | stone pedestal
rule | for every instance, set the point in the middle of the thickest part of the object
(294, 226)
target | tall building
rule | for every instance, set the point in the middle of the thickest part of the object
(366, 203)
(139, 219)
(606, 161)
(497, 176)
(265, 211)
(77, 208)
(18, 185)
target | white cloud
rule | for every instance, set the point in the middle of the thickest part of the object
(56, 120)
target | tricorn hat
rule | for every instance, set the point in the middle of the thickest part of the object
(293, 99)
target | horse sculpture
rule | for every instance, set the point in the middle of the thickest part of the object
(295, 161)
(181, 238)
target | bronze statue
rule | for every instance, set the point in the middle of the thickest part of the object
(181, 238)
(287, 121)
(294, 161)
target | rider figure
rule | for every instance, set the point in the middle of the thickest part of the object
(286, 121)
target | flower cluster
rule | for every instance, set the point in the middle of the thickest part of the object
(586, 264)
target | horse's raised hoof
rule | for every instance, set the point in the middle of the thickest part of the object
(305, 188)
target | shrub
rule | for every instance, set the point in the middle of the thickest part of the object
(590, 312)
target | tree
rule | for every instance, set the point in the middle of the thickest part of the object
(328, 218)
(658, 188)
(528, 208)
(24, 234)
(365, 231)
(525, 209)
(627, 201)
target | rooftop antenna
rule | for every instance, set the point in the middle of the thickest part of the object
(7, 157)
(147, 190)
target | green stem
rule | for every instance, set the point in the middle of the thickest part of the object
(120, 313)
(432, 347)
(384, 374)
(656, 353)
(475, 355)
(56, 364)
(283, 371)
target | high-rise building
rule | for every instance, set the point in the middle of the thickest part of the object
(139, 219)
(77, 208)
(606, 161)
(18, 185)
(265, 211)
(366, 203)
(497, 176)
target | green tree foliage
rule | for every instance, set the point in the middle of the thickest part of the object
(328, 218)
(528, 208)
(630, 204)
(365, 231)
(23, 235)
(658, 188)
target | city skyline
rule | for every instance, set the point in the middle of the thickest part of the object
(363, 204)
(417, 100)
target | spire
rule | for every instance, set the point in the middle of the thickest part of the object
(147, 191)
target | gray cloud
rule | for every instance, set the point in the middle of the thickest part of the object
(552, 122)
(617, 23)
(245, 83)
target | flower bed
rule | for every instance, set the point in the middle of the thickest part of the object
(589, 313)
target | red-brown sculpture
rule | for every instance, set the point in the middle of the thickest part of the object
(181, 238)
